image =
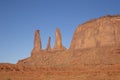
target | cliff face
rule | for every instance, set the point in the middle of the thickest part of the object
(95, 42)
(104, 31)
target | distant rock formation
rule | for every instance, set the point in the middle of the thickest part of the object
(104, 31)
(48, 45)
(58, 41)
(96, 42)
(37, 43)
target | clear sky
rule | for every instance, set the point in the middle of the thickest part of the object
(20, 18)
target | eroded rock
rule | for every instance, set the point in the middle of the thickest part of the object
(104, 31)
(37, 43)
(58, 41)
(96, 42)
(48, 45)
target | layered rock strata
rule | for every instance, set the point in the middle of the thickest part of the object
(104, 31)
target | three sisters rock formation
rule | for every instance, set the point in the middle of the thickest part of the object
(96, 42)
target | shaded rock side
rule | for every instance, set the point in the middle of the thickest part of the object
(37, 43)
(48, 45)
(58, 41)
(104, 31)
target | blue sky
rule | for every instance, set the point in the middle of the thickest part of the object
(20, 18)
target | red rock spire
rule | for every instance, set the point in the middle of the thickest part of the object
(48, 45)
(37, 40)
(58, 41)
(37, 43)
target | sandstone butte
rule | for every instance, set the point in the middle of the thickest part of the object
(94, 54)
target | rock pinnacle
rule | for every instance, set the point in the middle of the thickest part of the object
(58, 41)
(48, 45)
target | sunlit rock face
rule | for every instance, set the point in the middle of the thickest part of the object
(48, 45)
(104, 31)
(58, 41)
(37, 43)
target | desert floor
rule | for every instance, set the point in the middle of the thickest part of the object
(111, 72)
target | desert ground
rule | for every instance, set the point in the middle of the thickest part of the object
(108, 72)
